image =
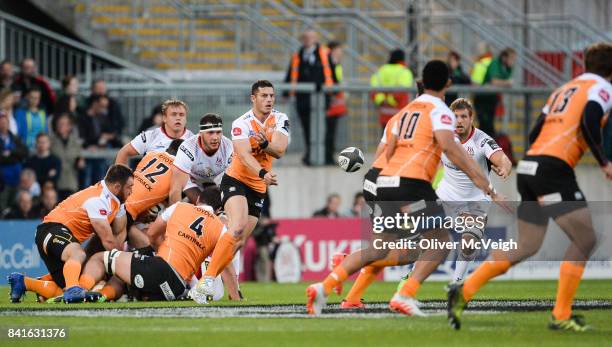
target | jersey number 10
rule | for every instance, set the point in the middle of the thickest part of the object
(408, 130)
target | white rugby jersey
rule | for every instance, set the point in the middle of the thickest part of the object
(155, 140)
(455, 184)
(202, 168)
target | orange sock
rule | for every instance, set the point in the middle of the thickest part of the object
(222, 255)
(72, 270)
(87, 281)
(109, 292)
(366, 277)
(410, 288)
(337, 276)
(485, 272)
(47, 289)
(569, 279)
(385, 262)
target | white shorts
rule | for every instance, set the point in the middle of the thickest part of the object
(456, 205)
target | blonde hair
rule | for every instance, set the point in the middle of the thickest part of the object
(462, 104)
(173, 103)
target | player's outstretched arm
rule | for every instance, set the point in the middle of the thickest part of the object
(179, 179)
(125, 153)
(459, 157)
(391, 146)
(501, 164)
(230, 281)
(156, 232)
(104, 231)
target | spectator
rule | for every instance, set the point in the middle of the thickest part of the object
(70, 85)
(46, 165)
(485, 57)
(331, 209)
(7, 104)
(115, 116)
(66, 145)
(31, 120)
(47, 202)
(7, 75)
(457, 75)
(12, 153)
(153, 121)
(23, 209)
(27, 182)
(310, 64)
(499, 74)
(66, 104)
(337, 103)
(393, 74)
(28, 78)
(359, 206)
(96, 132)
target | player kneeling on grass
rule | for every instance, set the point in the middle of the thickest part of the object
(97, 210)
(184, 235)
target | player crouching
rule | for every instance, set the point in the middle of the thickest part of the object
(184, 235)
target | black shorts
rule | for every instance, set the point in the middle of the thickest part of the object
(232, 187)
(51, 240)
(369, 184)
(548, 189)
(414, 197)
(154, 279)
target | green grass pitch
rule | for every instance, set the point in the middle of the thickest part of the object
(94, 326)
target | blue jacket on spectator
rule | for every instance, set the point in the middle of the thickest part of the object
(12, 153)
(29, 124)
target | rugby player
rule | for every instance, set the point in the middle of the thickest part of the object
(174, 126)
(74, 220)
(425, 129)
(184, 235)
(200, 159)
(259, 136)
(152, 180)
(461, 199)
(570, 123)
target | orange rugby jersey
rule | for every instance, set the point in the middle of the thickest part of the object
(152, 179)
(417, 153)
(561, 136)
(381, 161)
(76, 211)
(191, 235)
(246, 127)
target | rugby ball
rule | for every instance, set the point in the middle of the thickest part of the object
(350, 159)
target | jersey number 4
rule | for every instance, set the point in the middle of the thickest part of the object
(197, 226)
(407, 127)
(160, 169)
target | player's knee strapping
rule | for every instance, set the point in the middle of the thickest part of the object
(110, 260)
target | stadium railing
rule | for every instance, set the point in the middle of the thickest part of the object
(521, 106)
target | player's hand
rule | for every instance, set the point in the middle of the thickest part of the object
(270, 179)
(501, 171)
(501, 200)
(607, 170)
(260, 137)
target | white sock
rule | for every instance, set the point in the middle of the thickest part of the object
(462, 264)
(236, 262)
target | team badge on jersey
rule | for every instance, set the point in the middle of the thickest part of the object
(237, 131)
(446, 119)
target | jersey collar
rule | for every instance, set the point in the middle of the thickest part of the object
(257, 119)
(107, 192)
(469, 136)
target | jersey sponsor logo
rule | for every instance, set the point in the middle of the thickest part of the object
(103, 212)
(143, 137)
(446, 119)
(251, 133)
(236, 131)
(187, 152)
(492, 144)
(286, 125)
(603, 94)
(165, 288)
